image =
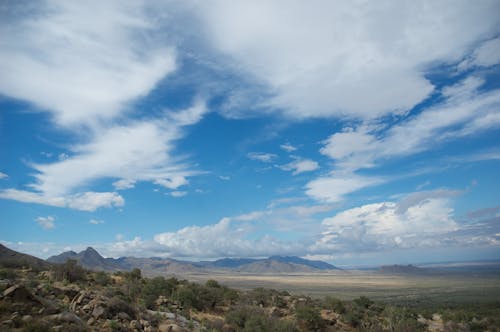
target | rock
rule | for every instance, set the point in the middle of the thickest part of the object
(19, 293)
(167, 315)
(99, 312)
(27, 318)
(144, 323)
(8, 322)
(135, 325)
(228, 328)
(123, 316)
(66, 317)
(171, 328)
(91, 321)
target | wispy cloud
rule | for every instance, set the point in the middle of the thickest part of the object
(46, 222)
(96, 222)
(3, 176)
(300, 166)
(77, 71)
(288, 147)
(261, 156)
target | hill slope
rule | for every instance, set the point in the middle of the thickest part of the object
(11, 258)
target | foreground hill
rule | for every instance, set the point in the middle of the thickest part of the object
(11, 258)
(92, 260)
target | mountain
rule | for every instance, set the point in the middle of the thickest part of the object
(92, 260)
(320, 265)
(226, 263)
(274, 266)
(11, 258)
(402, 269)
(88, 258)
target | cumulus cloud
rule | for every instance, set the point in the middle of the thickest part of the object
(300, 166)
(81, 72)
(223, 239)
(46, 222)
(341, 59)
(261, 156)
(418, 220)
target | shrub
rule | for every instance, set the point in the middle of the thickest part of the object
(334, 304)
(69, 271)
(363, 302)
(310, 317)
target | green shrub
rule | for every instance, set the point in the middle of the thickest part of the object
(310, 317)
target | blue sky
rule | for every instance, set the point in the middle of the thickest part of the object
(353, 133)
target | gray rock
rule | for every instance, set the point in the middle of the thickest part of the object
(99, 312)
(135, 325)
(123, 316)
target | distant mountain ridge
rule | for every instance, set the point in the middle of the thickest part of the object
(91, 259)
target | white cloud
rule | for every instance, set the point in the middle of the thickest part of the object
(178, 194)
(223, 239)
(140, 151)
(96, 222)
(123, 184)
(87, 201)
(300, 166)
(387, 225)
(334, 187)
(82, 61)
(3, 176)
(344, 58)
(487, 54)
(224, 178)
(46, 222)
(288, 147)
(261, 156)
(464, 111)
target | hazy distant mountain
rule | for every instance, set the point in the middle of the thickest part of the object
(226, 263)
(11, 258)
(402, 269)
(273, 264)
(91, 259)
(320, 265)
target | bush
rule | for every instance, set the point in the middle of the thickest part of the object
(253, 319)
(69, 271)
(363, 302)
(102, 278)
(334, 304)
(309, 317)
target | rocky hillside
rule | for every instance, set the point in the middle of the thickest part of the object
(67, 297)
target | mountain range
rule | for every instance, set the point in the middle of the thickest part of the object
(92, 260)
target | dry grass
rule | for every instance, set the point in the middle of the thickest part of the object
(352, 284)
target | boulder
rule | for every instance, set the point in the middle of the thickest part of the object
(99, 312)
(171, 328)
(19, 293)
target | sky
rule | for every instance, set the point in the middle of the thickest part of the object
(358, 133)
